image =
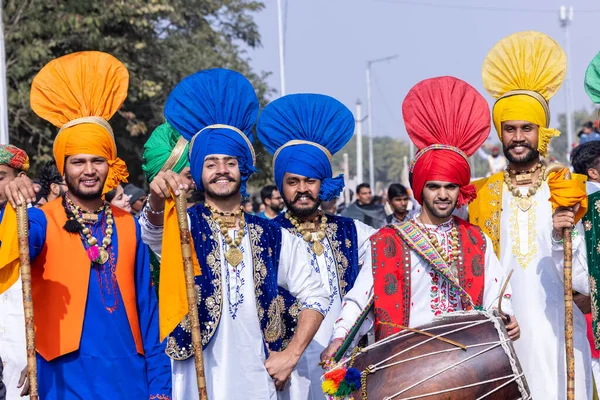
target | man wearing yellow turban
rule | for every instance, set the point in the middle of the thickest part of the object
(96, 317)
(522, 72)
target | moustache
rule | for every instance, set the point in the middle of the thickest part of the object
(220, 177)
(523, 144)
(297, 197)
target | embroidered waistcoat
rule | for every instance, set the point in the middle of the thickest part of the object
(485, 210)
(392, 268)
(275, 320)
(343, 238)
(591, 226)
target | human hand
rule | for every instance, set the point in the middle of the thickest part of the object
(563, 217)
(161, 187)
(24, 383)
(280, 365)
(329, 352)
(583, 302)
(22, 186)
(512, 326)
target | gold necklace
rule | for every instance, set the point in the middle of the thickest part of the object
(307, 235)
(233, 255)
(524, 177)
(227, 218)
(449, 259)
(97, 254)
(524, 203)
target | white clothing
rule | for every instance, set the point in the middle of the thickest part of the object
(596, 371)
(431, 293)
(592, 187)
(538, 296)
(496, 164)
(13, 348)
(305, 382)
(234, 359)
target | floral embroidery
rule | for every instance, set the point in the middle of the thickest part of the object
(587, 225)
(597, 205)
(160, 397)
(340, 258)
(348, 243)
(492, 225)
(523, 259)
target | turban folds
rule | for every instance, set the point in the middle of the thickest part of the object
(215, 111)
(79, 93)
(14, 157)
(522, 72)
(165, 150)
(303, 131)
(447, 120)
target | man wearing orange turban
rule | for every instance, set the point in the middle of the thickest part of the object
(519, 209)
(96, 317)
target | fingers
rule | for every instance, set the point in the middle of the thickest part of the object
(22, 378)
(25, 390)
(166, 182)
(20, 186)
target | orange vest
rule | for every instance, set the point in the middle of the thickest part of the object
(60, 277)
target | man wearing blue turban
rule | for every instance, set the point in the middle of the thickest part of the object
(303, 131)
(249, 345)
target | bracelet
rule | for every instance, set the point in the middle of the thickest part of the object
(150, 210)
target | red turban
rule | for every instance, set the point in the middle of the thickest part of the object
(448, 120)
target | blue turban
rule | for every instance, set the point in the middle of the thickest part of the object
(292, 121)
(215, 111)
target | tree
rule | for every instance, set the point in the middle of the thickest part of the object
(559, 145)
(160, 42)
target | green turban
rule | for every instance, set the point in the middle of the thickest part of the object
(165, 150)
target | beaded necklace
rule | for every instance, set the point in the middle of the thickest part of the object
(311, 237)
(233, 255)
(97, 254)
(524, 203)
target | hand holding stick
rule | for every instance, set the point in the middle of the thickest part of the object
(186, 250)
(23, 233)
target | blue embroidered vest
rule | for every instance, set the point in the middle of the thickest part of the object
(343, 238)
(275, 319)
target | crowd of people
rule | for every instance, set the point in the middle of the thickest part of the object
(281, 285)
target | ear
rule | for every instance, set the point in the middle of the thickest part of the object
(55, 189)
(593, 174)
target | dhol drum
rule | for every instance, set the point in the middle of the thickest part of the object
(409, 365)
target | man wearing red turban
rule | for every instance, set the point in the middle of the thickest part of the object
(448, 121)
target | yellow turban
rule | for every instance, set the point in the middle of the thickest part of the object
(522, 72)
(79, 93)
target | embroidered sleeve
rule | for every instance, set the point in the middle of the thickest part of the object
(159, 397)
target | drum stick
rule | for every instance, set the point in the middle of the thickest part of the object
(431, 335)
(186, 250)
(502, 294)
(23, 234)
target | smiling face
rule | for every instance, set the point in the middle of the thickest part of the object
(301, 194)
(221, 176)
(85, 175)
(520, 141)
(121, 200)
(439, 199)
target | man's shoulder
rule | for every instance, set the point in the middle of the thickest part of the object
(482, 183)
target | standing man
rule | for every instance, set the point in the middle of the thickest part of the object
(522, 72)
(273, 202)
(399, 200)
(364, 209)
(496, 162)
(434, 263)
(96, 316)
(303, 132)
(249, 346)
(14, 162)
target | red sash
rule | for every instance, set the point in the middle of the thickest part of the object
(392, 272)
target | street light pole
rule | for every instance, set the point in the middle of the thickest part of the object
(566, 17)
(370, 119)
(281, 50)
(359, 151)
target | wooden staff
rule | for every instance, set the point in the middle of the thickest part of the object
(23, 234)
(568, 288)
(188, 266)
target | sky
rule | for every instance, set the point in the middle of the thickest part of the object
(328, 44)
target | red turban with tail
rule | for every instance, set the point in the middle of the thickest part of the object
(447, 120)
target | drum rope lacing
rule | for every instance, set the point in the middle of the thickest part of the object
(465, 325)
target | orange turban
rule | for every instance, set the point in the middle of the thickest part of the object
(79, 93)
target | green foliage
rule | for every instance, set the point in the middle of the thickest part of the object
(559, 145)
(160, 42)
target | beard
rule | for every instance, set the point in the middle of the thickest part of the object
(302, 212)
(73, 188)
(532, 155)
(209, 192)
(430, 206)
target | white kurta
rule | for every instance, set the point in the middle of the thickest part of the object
(234, 359)
(538, 297)
(306, 378)
(431, 294)
(13, 350)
